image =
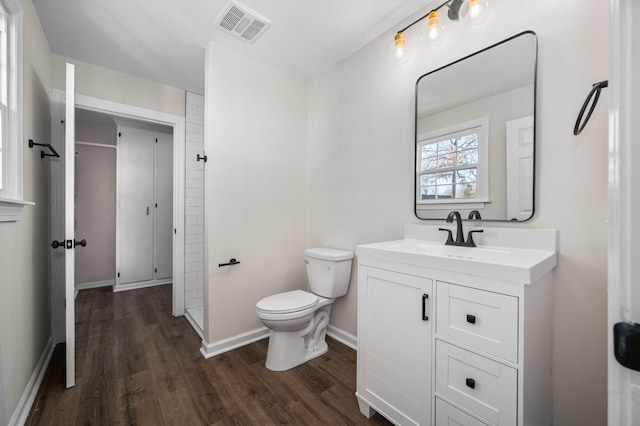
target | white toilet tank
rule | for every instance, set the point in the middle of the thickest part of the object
(328, 271)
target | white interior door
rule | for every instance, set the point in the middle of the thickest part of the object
(164, 206)
(69, 226)
(624, 206)
(134, 226)
(520, 168)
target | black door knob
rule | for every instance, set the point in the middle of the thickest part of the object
(82, 243)
(55, 244)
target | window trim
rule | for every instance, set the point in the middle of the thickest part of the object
(11, 196)
(482, 182)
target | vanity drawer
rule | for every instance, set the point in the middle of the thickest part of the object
(447, 414)
(483, 320)
(482, 386)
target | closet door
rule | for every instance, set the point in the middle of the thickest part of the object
(164, 206)
(135, 204)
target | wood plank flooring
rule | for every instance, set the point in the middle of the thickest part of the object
(138, 365)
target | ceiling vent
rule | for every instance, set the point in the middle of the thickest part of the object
(242, 22)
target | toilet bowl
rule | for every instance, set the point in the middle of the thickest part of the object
(298, 319)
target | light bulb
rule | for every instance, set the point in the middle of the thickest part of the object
(474, 12)
(400, 50)
(434, 31)
(474, 8)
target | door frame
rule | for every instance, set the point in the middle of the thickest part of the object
(179, 143)
(624, 180)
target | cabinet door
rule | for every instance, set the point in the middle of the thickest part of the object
(135, 205)
(394, 344)
(164, 206)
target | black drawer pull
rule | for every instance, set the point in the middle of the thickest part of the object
(471, 319)
(425, 317)
(471, 383)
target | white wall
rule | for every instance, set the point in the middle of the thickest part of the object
(103, 83)
(255, 188)
(24, 249)
(361, 145)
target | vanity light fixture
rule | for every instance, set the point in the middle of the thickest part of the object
(434, 27)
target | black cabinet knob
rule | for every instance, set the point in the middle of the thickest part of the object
(471, 319)
(471, 383)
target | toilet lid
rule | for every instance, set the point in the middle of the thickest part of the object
(290, 301)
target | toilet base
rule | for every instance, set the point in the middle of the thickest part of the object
(289, 349)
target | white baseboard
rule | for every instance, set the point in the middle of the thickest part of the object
(343, 337)
(28, 397)
(144, 284)
(209, 350)
(95, 284)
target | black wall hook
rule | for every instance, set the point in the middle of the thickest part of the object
(42, 153)
(595, 94)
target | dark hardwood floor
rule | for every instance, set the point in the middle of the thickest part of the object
(138, 365)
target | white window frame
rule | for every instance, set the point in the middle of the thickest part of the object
(11, 193)
(482, 182)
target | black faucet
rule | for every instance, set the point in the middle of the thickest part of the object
(459, 232)
(474, 215)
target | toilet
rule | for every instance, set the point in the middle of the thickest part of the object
(298, 319)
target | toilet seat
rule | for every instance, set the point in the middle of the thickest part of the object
(287, 302)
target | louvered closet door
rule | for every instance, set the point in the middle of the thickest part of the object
(135, 205)
(164, 209)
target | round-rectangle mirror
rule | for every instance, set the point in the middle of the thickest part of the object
(475, 134)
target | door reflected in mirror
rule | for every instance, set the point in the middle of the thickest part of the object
(475, 134)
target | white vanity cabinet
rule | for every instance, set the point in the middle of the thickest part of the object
(394, 344)
(482, 354)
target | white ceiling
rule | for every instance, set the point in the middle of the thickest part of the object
(164, 40)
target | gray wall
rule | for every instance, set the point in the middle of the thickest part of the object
(95, 212)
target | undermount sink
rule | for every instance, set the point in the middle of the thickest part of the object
(524, 262)
(483, 254)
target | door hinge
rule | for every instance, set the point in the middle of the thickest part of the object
(119, 134)
(118, 274)
(156, 205)
(156, 270)
(156, 140)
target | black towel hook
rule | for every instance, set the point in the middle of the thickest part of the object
(595, 94)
